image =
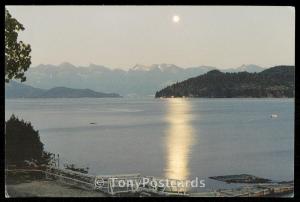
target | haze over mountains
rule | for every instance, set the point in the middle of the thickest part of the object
(139, 80)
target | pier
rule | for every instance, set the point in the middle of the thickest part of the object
(108, 184)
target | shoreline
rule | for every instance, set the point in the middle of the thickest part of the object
(35, 183)
(47, 188)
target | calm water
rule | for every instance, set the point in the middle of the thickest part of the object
(174, 138)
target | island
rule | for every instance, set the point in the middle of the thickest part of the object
(275, 82)
(17, 90)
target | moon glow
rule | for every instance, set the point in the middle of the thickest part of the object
(176, 18)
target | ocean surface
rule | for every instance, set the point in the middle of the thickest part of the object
(174, 138)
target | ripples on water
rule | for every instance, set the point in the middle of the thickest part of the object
(173, 138)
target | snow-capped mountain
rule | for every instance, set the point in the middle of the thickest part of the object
(139, 67)
(139, 79)
(246, 68)
(157, 67)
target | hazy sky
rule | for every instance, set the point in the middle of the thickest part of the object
(122, 36)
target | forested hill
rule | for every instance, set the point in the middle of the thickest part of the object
(276, 82)
(17, 90)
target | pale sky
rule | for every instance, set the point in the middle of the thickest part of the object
(122, 36)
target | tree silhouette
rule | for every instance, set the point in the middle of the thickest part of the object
(22, 143)
(17, 53)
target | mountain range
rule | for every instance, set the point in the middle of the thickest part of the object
(138, 80)
(278, 81)
(18, 90)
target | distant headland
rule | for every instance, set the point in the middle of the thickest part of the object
(17, 90)
(275, 82)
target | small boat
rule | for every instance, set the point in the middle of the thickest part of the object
(92, 123)
(274, 115)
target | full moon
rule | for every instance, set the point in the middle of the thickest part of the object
(176, 18)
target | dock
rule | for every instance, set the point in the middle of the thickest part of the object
(257, 190)
(104, 184)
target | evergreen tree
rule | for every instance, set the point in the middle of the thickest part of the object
(22, 143)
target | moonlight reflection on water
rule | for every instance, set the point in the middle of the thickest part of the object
(179, 139)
